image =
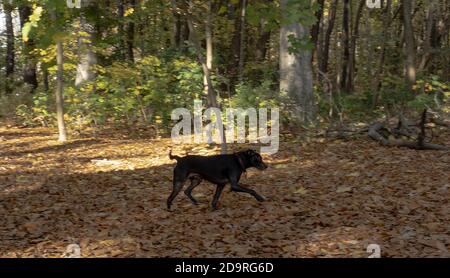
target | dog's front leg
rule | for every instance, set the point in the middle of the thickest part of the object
(238, 188)
(219, 189)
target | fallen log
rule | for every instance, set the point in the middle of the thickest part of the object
(420, 144)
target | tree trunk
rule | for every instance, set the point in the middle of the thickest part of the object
(87, 57)
(121, 27)
(242, 42)
(176, 28)
(10, 55)
(212, 97)
(346, 45)
(130, 37)
(29, 69)
(429, 40)
(237, 47)
(376, 84)
(296, 77)
(410, 48)
(326, 45)
(45, 78)
(206, 64)
(349, 86)
(316, 30)
(59, 92)
(209, 47)
(263, 42)
(59, 85)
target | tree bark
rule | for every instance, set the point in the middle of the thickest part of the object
(429, 40)
(349, 86)
(346, 45)
(29, 69)
(59, 92)
(121, 23)
(410, 48)
(263, 42)
(130, 36)
(237, 47)
(326, 45)
(376, 84)
(212, 97)
(87, 57)
(242, 42)
(209, 47)
(10, 55)
(59, 85)
(176, 27)
(315, 31)
(296, 77)
(45, 78)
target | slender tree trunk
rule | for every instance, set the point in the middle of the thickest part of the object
(349, 86)
(315, 31)
(59, 92)
(130, 37)
(236, 47)
(430, 35)
(296, 77)
(176, 27)
(263, 41)
(212, 97)
(444, 26)
(209, 47)
(59, 85)
(242, 42)
(410, 48)
(121, 23)
(10, 55)
(376, 84)
(346, 45)
(29, 69)
(326, 45)
(45, 78)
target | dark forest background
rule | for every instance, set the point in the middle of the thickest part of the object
(129, 63)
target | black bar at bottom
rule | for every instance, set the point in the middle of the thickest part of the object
(209, 267)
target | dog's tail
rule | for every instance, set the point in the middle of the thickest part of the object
(173, 156)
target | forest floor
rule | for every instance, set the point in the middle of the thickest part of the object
(325, 198)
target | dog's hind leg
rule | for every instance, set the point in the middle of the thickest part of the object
(195, 181)
(179, 179)
(219, 189)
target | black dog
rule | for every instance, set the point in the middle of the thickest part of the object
(217, 169)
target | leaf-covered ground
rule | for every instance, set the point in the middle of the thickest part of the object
(324, 199)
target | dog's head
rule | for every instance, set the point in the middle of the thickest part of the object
(254, 159)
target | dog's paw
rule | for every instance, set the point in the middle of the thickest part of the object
(216, 208)
(260, 199)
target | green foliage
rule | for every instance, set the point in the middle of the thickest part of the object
(430, 92)
(38, 113)
(260, 96)
(266, 11)
(145, 93)
(301, 11)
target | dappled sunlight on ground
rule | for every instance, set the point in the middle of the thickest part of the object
(327, 198)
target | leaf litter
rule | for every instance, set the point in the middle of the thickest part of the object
(327, 198)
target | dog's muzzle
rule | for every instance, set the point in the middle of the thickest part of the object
(262, 166)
